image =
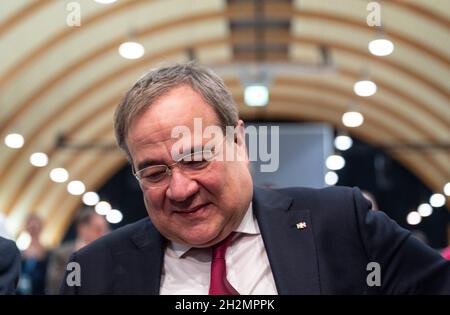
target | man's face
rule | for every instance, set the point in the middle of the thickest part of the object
(95, 228)
(201, 209)
(34, 226)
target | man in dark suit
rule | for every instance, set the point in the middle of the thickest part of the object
(210, 231)
(9, 266)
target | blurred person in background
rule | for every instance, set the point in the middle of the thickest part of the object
(89, 226)
(34, 260)
(9, 266)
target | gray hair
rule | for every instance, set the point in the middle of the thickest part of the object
(160, 81)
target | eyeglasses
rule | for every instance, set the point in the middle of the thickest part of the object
(157, 176)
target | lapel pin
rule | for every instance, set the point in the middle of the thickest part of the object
(301, 225)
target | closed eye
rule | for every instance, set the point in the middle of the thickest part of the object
(153, 175)
(194, 164)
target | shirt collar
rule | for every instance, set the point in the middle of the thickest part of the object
(248, 225)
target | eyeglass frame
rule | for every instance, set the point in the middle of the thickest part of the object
(168, 168)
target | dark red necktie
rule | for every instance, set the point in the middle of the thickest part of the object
(219, 284)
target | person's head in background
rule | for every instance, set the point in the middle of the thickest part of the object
(35, 249)
(369, 196)
(89, 226)
(197, 207)
(34, 226)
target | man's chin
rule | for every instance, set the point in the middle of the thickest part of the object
(200, 239)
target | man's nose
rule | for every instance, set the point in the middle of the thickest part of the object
(181, 186)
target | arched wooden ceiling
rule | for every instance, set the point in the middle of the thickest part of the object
(56, 79)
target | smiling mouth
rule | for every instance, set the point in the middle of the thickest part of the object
(194, 210)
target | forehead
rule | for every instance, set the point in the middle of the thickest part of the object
(180, 107)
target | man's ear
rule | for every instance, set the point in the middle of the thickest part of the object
(239, 134)
(239, 139)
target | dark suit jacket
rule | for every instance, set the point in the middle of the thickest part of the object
(9, 266)
(329, 256)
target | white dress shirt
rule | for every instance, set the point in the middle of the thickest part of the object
(187, 270)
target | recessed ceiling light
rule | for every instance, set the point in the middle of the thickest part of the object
(381, 47)
(14, 141)
(365, 88)
(256, 95)
(352, 119)
(131, 50)
(76, 187)
(39, 159)
(59, 175)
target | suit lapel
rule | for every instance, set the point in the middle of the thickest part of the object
(289, 241)
(138, 271)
